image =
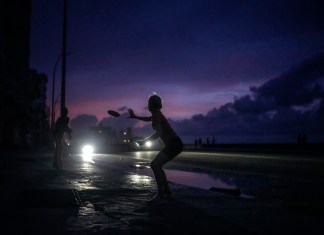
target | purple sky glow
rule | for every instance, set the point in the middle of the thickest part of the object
(252, 70)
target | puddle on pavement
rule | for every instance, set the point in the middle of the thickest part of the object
(82, 184)
(197, 180)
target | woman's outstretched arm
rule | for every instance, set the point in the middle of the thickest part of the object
(132, 115)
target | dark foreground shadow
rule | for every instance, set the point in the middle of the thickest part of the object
(175, 217)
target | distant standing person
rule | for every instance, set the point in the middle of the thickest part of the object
(172, 145)
(61, 127)
(199, 142)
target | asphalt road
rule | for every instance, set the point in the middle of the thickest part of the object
(282, 193)
(265, 175)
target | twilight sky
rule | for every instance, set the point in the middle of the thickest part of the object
(243, 69)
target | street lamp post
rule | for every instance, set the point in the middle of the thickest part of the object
(53, 94)
(63, 56)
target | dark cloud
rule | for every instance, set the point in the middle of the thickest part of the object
(271, 109)
(247, 104)
(296, 87)
(82, 123)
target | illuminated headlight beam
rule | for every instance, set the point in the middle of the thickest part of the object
(87, 152)
(148, 144)
(87, 149)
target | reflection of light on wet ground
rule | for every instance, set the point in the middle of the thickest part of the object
(198, 180)
(139, 179)
(193, 179)
(141, 166)
(205, 181)
(87, 167)
(86, 210)
(82, 184)
(144, 154)
(87, 157)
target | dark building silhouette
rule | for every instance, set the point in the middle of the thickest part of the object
(38, 126)
(22, 90)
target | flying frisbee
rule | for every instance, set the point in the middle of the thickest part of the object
(113, 113)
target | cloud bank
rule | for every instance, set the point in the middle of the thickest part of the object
(287, 105)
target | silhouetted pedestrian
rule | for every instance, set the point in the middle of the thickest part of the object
(196, 143)
(199, 142)
(172, 145)
(304, 139)
(60, 130)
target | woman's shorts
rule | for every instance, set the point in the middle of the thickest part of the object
(173, 147)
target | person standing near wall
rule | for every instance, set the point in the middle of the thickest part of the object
(60, 129)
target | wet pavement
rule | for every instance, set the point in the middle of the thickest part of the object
(87, 198)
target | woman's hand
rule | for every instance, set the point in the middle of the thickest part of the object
(131, 113)
(139, 143)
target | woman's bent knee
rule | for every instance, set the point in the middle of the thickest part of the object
(154, 165)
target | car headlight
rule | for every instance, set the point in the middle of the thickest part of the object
(148, 144)
(87, 149)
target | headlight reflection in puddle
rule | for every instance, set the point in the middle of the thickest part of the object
(87, 158)
(140, 179)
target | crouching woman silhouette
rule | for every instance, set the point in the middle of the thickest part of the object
(172, 145)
